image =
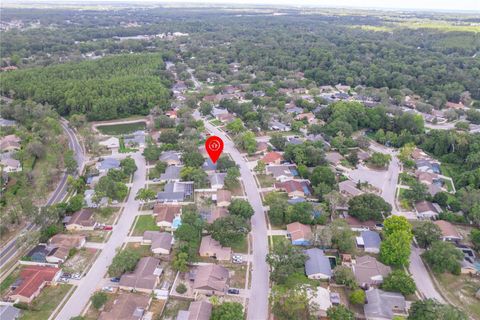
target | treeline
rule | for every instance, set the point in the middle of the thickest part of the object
(108, 88)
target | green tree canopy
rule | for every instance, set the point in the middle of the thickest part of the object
(369, 206)
(443, 257)
(399, 281)
(227, 311)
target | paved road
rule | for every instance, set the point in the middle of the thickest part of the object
(10, 250)
(92, 280)
(258, 300)
(422, 277)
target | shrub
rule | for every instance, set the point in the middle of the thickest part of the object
(181, 288)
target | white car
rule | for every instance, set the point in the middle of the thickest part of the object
(108, 289)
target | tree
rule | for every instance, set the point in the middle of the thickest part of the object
(124, 261)
(396, 223)
(98, 299)
(163, 122)
(399, 281)
(152, 152)
(128, 166)
(343, 237)
(70, 162)
(107, 187)
(292, 303)
(246, 141)
(395, 248)
(441, 198)
(205, 108)
(235, 126)
(231, 179)
(417, 192)
(169, 136)
(285, 260)
(357, 296)
(260, 167)
(369, 206)
(277, 207)
(75, 203)
(145, 194)
(323, 174)
(240, 207)
(430, 309)
(379, 160)
(78, 120)
(475, 238)
(197, 175)
(443, 257)
(193, 159)
(299, 212)
(227, 311)
(224, 163)
(278, 141)
(344, 276)
(340, 312)
(427, 233)
(229, 230)
(180, 262)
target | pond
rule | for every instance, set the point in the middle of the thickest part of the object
(123, 128)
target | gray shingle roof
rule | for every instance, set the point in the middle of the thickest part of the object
(317, 262)
(380, 304)
(9, 313)
(171, 173)
(371, 239)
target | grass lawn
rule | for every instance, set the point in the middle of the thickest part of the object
(448, 185)
(266, 181)
(43, 306)
(8, 281)
(123, 128)
(106, 215)
(157, 187)
(277, 239)
(241, 246)
(142, 249)
(239, 276)
(461, 290)
(96, 236)
(144, 223)
(216, 122)
(172, 308)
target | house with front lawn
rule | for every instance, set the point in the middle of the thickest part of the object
(300, 234)
(211, 279)
(144, 278)
(81, 220)
(317, 265)
(160, 242)
(211, 248)
(449, 232)
(223, 198)
(127, 306)
(384, 305)
(31, 281)
(295, 188)
(172, 158)
(369, 271)
(198, 310)
(370, 241)
(165, 214)
(426, 210)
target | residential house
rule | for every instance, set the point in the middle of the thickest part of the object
(136, 139)
(89, 199)
(384, 305)
(300, 234)
(80, 221)
(295, 188)
(7, 123)
(31, 281)
(272, 158)
(171, 158)
(467, 267)
(226, 118)
(282, 172)
(160, 242)
(427, 166)
(211, 279)
(449, 232)
(218, 111)
(165, 214)
(426, 177)
(370, 241)
(224, 197)
(10, 165)
(172, 173)
(349, 189)
(453, 105)
(198, 310)
(278, 126)
(8, 312)
(61, 245)
(176, 192)
(334, 158)
(426, 210)
(309, 116)
(369, 271)
(107, 164)
(322, 299)
(211, 248)
(216, 213)
(144, 278)
(110, 143)
(127, 306)
(10, 143)
(217, 180)
(172, 114)
(357, 225)
(317, 265)
(418, 154)
(262, 147)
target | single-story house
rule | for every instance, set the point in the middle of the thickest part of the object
(8, 312)
(61, 245)
(217, 180)
(224, 197)
(317, 265)
(225, 118)
(176, 191)
(309, 116)
(449, 232)
(334, 158)
(211, 248)
(278, 126)
(89, 199)
(10, 143)
(322, 298)
(107, 164)
(160, 242)
(144, 278)
(136, 139)
(369, 271)
(357, 225)
(383, 305)
(426, 210)
(10, 165)
(262, 146)
(349, 188)
(295, 188)
(216, 213)
(127, 306)
(211, 279)
(165, 214)
(172, 173)
(110, 143)
(81, 220)
(370, 241)
(172, 158)
(282, 172)
(198, 310)
(427, 166)
(31, 281)
(300, 234)
(272, 158)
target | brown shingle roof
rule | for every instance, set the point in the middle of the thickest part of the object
(211, 277)
(33, 278)
(272, 157)
(162, 240)
(224, 195)
(143, 276)
(67, 240)
(210, 246)
(424, 206)
(166, 212)
(448, 229)
(217, 213)
(200, 310)
(367, 267)
(298, 231)
(127, 306)
(83, 218)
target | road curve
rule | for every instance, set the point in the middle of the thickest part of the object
(258, 300)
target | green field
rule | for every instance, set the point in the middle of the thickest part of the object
(145, 223)
(43, 306)
(123, 128)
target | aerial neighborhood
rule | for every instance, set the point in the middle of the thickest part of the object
(348, 186)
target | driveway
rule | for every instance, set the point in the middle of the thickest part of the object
(93, 279)
(421, 276)
(258, 300)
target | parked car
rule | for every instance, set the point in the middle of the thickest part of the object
(108, 289)
(237, 259)
(66, 275)
(116, 279)
(76, 276)
(233, 291)
(107, 228)
(156, 180)
(379, 226)
(63, 279)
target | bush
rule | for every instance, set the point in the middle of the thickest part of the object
(399, 281)
(345, 276)
(99, 299)
(181, 288)
(357, 297)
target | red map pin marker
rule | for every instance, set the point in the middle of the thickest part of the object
(214, 146)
